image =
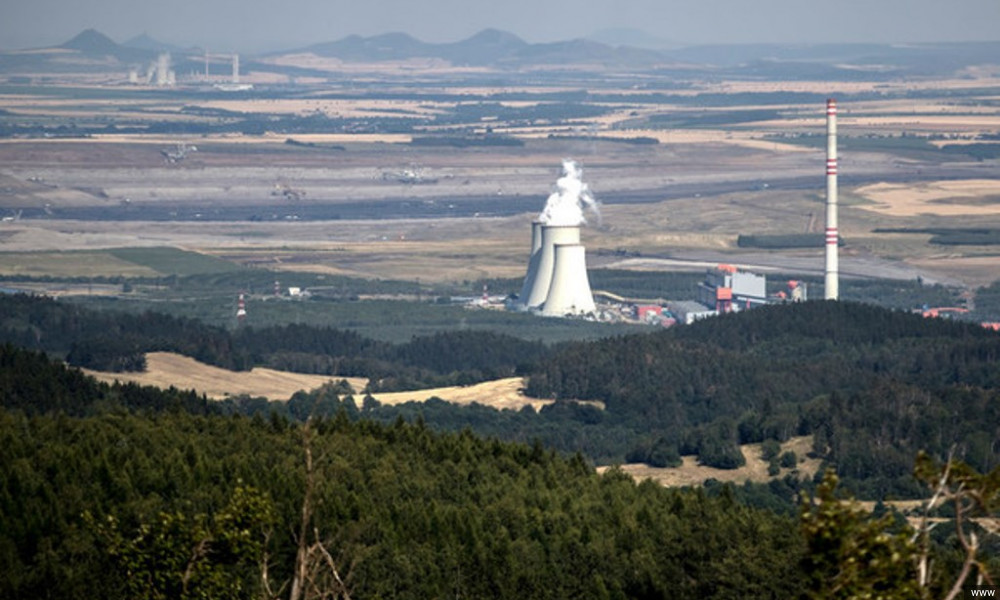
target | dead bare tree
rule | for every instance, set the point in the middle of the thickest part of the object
(973, 495)
(315, 576)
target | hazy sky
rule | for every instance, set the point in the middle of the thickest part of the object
(252, 25)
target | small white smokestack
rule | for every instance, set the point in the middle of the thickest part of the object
(163, 69)
(569, 290)
(831, 281)
(236, 68)
(551, 236)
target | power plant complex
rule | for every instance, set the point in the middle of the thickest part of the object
(557, 284)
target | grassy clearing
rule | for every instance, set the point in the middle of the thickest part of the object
(165, 369)
(173, 261)
(71, 264)
(755, 469)
(118, 262)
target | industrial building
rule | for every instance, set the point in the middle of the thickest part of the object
(727, 289)
(688, 312)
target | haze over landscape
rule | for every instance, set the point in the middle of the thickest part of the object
(499, 300)
(259, 25)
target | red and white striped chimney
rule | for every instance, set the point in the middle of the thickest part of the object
(832, 279)
(241, 309)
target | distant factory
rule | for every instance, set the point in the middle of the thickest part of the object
(557, 284)
(726, 288)
(159, 73)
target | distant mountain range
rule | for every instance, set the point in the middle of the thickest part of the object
(609, 49)
(490, 47)
(144, 42)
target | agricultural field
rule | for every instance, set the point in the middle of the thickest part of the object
(436, 184)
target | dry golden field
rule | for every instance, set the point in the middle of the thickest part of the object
(971, 197)
(165, 369)
(755, 470)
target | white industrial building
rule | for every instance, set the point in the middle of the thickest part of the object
(726, 289)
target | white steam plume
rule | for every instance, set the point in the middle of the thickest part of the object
(565, 205)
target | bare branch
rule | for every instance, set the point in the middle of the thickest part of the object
(333, 567)
(197, 554)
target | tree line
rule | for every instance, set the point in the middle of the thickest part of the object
(114, 341)
(820, 368)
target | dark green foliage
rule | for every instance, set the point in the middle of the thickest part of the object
(181, 556)
(660, 453)
(895, 375)
(550, 112)
(493, 354)
(636, 141)
(898, 294)
(853, 556)
(31, 382)
(788, 460)
(976, 151)
(770, 449)
(870, 385)
(467, 141)
(407, 513)
(103, 353)
(714, 118)
(986, 239)
(117, 341)
(988, 302)
(111, 341)
(953, 236)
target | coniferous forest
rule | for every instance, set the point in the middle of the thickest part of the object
(123, 491)
(111, 505)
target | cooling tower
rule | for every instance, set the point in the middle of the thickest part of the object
(551, 235)
(569, 289)
(529, 279)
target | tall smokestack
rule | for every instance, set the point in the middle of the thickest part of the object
(831, 280)
(236, 68)
(569, 289)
